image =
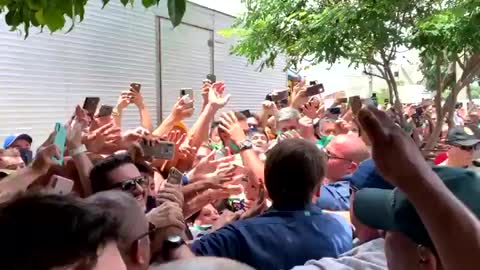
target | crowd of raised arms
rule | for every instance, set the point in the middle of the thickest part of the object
(308, 182)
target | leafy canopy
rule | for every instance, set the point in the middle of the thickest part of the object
(55, 13)
(361, 31)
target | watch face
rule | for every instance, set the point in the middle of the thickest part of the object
(247, 144)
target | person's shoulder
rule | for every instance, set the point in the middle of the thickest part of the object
(337, 221)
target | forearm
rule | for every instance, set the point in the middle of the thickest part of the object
(165, 126)
(181, 253)
(117, 117)
(191, 190)
(197, 203)
(458, 250)
(263, 119)
(145, 119)
(84, 166)
(199, 132)
(19, 181)
(254, 164)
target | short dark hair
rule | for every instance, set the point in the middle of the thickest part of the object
(293, 169)
(144, 167)
(99, 174)
(240, 116)
(261, 131)
(43, 231)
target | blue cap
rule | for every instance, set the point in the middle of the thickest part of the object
(367, 176)
(13, 137)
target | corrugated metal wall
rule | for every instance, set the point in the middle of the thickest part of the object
(43, 77)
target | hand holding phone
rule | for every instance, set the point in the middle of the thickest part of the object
(105, 111)
(60, 140)
(90, 105)
(219, 88)
(174, 177)
(135, 87)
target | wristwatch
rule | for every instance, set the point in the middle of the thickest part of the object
(245, 145)
(170, 244)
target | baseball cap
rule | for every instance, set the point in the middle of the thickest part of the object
(462, 136)
(287, 114)
(367, 176)
(390, 210)
(13, 137)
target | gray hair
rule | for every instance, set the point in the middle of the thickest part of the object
(287, 114)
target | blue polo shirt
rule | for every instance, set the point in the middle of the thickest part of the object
(279, 239)
(335, 196)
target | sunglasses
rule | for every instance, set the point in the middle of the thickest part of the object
(131, 184)
(467, 148)
(332, 156)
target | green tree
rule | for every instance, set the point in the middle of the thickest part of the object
(55, 13)
(447, 38)
(367, 33)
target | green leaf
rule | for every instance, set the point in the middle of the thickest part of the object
(176, 10)
(79, 8)
(34, 4)
(13, 18)
(54, 19)
(105, 2)
(124, 2)
(148, 3)
(39, 17)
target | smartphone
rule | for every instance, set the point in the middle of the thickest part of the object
(247, 113)
(61, 185)
(279, 95)
(60, 140)
(212, 78)
(174, 176)
(313, 82)
(136, 87)
(90, 105)
(269, 97)
(105, 111)
(335, 110)
(186, 91)
(161, 150)
(315, 90)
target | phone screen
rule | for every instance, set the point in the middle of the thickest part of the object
(280, 95)
(247, 113)
(105, 110)
(161, 150)
(60, 140)
(90, 105)
(174, 177)
(186, 91)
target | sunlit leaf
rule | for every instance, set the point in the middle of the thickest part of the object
(176, 10)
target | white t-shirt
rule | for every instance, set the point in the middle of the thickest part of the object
(368, 256)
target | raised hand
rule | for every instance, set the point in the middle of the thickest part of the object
(216, 98)
(135, 134)
(123, 100)
(396, 155)
(106, 135)
(229, 123)
(182, 110)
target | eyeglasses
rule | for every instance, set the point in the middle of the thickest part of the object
(131, 184)
(333, 156)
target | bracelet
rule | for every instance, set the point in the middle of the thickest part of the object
(79, 150)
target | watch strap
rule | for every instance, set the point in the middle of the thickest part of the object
(79, 150)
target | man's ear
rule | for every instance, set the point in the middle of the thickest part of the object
(136, 253)
(353, 167)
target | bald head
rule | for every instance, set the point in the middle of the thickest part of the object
(126, 210)
(346, 152)
(350, 147)
(204, 263)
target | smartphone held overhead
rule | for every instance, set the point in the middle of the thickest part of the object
(158, 149)
(60, 140)
(60, 185)
(175, 176)
(90, 105)
(105, 111)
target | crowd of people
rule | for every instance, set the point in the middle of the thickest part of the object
(306, 183)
